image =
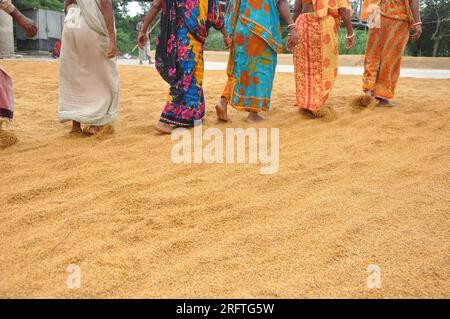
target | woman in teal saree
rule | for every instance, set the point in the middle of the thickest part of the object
(256, 33)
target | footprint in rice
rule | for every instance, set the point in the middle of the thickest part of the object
(105, 132)
(326, 113)
(357, 106)
(7, 139)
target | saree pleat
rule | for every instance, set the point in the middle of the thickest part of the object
(256, 36)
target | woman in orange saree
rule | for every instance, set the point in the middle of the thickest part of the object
(389, 26)
(316, 55)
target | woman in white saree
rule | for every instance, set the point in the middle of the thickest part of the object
(89, 79)
(6, 86)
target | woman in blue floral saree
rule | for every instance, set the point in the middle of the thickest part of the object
(256, 33)
(179, 56)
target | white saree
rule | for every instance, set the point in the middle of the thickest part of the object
(89, 82)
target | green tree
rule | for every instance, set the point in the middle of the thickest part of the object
(436, 29)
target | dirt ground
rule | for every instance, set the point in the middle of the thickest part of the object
(371, 187)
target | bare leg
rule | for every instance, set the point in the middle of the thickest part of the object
(254, 117)
(163, 128)
(367, 98)
(76, 128)
(221, 109)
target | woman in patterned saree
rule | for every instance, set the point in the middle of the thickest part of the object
(386, 42)
(256, 33)
(179, 56)
(316, 56)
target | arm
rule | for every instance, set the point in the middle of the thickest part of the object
(415, 8)
(108, 13)
(154, 10)
(219, 24)
(285, 13)
(297, 9)
(345, 15)
(26, 24)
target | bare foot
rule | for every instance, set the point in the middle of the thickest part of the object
(254, 117)
(92, 130)
(76, 128)
(384, 102)
(366, 99)
(164, 128)
(221, 110)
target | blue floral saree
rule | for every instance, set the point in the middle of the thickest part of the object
(179, 56)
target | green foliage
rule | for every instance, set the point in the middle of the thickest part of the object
(214, 42)
(435, 30)
(360, 42)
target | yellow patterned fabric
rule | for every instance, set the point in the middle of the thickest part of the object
(316, 55)
(322, 8)
(315, 60)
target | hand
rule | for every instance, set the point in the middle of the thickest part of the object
(27, 25)
(227, 41)
(112, 50)
(292, 40)
(417, 32)
(142, 40)
(350, 42)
